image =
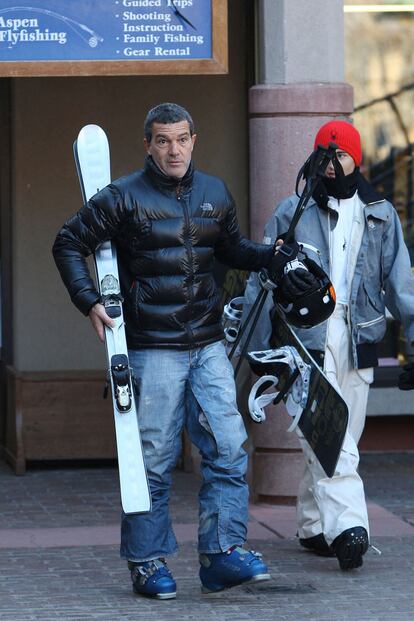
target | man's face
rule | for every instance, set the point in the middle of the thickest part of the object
(171, 147)
(346, 161)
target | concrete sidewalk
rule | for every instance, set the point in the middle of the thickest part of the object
(59, 537)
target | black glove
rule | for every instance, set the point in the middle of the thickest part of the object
(297, 283)
(283, 255)
(406, 378)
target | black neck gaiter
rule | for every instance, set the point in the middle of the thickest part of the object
(342, 186)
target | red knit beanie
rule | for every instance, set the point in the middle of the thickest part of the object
(344, 135)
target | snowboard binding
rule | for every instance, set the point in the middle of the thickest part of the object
(232, 316)
(289, 373)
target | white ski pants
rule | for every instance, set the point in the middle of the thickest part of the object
(325, 505)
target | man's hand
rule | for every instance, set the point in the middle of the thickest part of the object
(99, 320)
(284, 253)
(406, 378)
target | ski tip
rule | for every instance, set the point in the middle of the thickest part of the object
(91, 129)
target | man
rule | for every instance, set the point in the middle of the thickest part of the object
(170, 222)
(355, 236)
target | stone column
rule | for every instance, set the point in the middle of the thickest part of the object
(300, 75)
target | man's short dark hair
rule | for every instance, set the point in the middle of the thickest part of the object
(166, 113)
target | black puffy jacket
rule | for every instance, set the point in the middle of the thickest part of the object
(167, 233)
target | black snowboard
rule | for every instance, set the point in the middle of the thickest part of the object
(325, 416)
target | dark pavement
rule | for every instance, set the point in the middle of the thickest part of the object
(59, 557)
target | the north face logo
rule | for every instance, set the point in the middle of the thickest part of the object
(207, 207)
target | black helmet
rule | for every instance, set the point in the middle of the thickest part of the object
(312, 307)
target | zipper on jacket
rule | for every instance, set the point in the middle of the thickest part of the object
(382, 200)
(366, 324)
(190, 260)
(178, 191)
(330, 269)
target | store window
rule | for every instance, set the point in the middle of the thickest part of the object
(379, 63)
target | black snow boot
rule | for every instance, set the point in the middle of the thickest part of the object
(350, 546)
(317, 544)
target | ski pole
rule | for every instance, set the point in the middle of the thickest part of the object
(246, 323)
(256, 310)
(316, 164)
(261, 299)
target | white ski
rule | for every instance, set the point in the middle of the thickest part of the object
(91, 152)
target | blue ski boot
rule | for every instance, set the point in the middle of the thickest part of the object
(228, 569)
(153, 579)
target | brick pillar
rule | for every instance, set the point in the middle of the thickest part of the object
(300, 87)
(284, 119)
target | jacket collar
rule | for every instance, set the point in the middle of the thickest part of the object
(366, 192)
(162, 181)
(375, 204)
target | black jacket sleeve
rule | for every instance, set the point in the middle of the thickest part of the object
(235, 250)
(79, 237)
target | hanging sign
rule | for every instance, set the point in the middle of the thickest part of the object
(112, 37)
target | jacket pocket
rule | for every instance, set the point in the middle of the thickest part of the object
(371, 322)
(374, 300)
(311, 252)
(310, 247)
(372, 330)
